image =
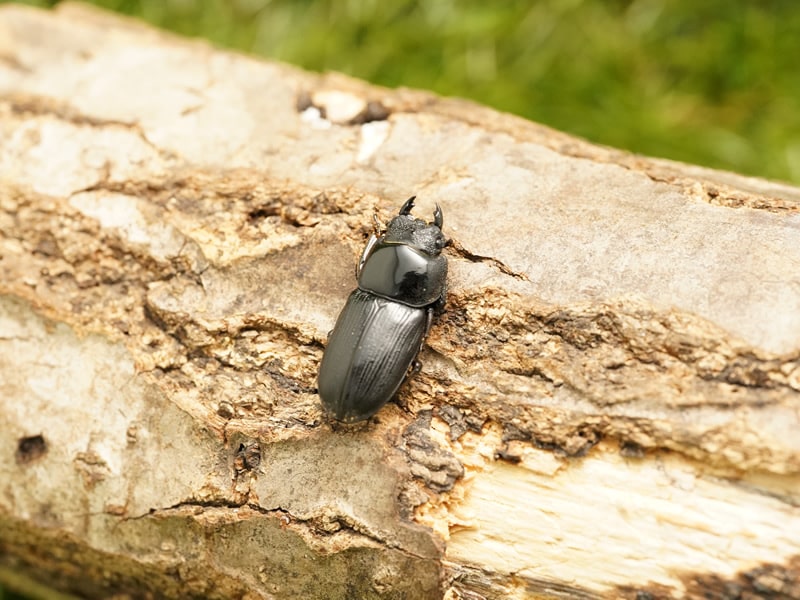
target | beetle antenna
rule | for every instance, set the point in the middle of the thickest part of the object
(378, 224)
(407, 206)
(438, 217)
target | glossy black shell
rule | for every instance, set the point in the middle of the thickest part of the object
(380, 331)
(404, 274)
(368, 354)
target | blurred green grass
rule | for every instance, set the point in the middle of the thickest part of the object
(713, 83)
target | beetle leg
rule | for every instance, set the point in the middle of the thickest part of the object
(438, 306)
(407, 206)
(428, 324)
(373, 239)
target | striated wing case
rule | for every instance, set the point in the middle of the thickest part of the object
(368, 354)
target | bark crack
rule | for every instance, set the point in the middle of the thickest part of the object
(462, 252)
(321, 525)
(43, 106)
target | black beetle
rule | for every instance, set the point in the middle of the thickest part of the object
(402, 282)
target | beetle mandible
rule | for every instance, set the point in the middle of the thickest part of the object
(402, 282)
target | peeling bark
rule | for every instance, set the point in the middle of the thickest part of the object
(609, 406)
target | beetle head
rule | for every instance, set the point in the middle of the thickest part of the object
(405, 229)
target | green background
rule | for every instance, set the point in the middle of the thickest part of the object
(711, 82)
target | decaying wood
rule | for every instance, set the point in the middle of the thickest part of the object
(610, 406)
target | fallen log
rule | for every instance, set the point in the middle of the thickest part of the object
(608, 408)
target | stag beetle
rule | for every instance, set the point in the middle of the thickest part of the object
(402, 282)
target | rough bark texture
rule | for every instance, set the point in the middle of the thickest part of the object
(609, 407)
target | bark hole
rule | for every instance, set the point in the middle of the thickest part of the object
(30, 448)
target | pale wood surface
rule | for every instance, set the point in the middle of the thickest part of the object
(610, 406)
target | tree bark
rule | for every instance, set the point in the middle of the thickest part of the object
(609, 406)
